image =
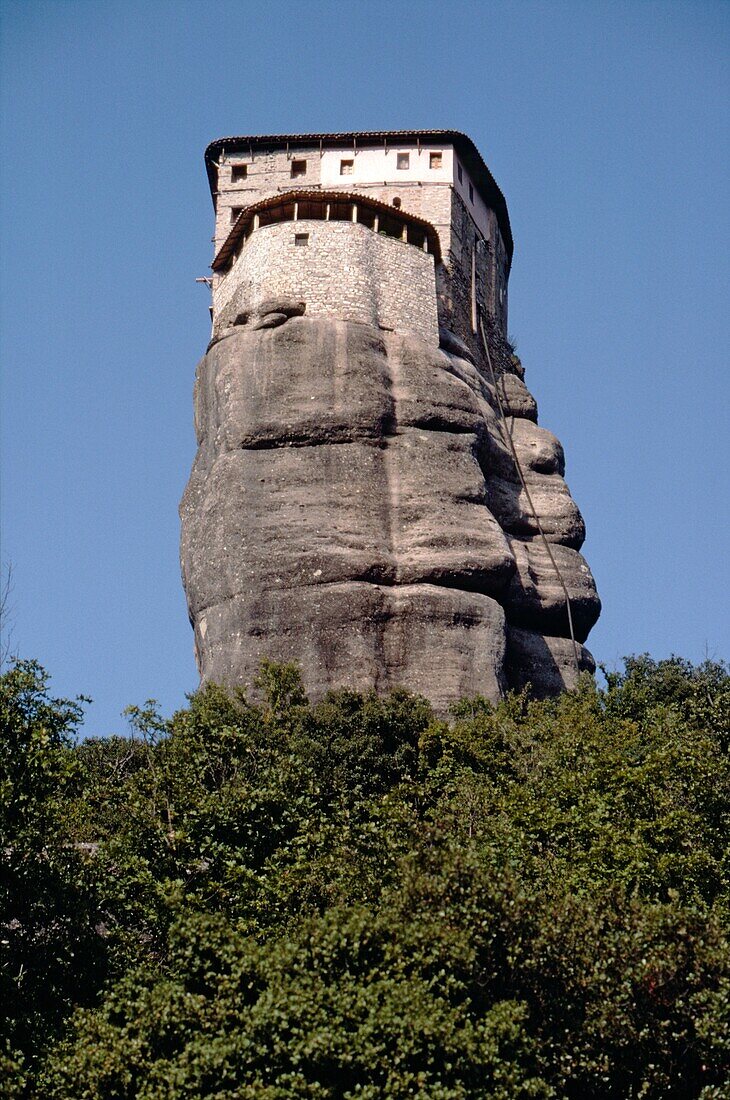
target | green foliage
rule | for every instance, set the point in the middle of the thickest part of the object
(356, 899)
(51, 958)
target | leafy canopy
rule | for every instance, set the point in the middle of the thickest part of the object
(357, 899)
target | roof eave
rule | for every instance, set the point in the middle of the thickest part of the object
(227, 249)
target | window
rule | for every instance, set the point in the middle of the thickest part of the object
(403, 160)
(346, 167)
(238, 172)
(460, 173)
(396, 203)
(471, 193)
(298, 168)
(235, 212)
(301, 240)
(434, 160)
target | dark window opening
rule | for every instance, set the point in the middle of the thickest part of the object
(389, 227)
(298, 168)
(239, 172)
(471, 193)
(460, 173)
(301, 239)
(235, 213)
(434, 160)
(396, 203)
(403, 161)
(346, 167)
(340, 211)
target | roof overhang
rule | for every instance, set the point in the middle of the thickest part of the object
(228, 249)
(465, 148)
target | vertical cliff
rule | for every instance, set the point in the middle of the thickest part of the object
(355, 506)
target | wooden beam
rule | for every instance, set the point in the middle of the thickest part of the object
(474, 289)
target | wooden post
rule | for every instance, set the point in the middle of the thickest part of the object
(474, 288)
(296, 211)
(404, 234)
(327, 213)
(255, 221)
(354, 212)
(376, 224)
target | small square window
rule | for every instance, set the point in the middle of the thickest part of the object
(471, 193)
(460, 173)
(238, 172)
(403, 161)
(434, 160)
(298, 168)
(235, 213)
(347, 167)
(301, 240)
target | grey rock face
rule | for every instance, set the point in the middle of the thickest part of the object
(545, 664)
(437, 641)
(535, 597)
(354, 506)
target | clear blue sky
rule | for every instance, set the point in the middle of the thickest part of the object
(603, 122)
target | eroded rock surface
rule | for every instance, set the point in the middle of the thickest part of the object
(354, 506)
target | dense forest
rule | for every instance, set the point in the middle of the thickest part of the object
(266, 898)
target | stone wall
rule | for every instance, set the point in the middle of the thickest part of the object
(344, 271)
(443, 204)
(267, 173)
(270, 174)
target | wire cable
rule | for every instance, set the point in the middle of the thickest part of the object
(510, 443)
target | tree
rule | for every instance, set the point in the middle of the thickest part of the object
(356, 899)
(51, 955)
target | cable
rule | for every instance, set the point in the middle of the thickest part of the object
(510, 442)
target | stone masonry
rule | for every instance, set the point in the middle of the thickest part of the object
(381, 281)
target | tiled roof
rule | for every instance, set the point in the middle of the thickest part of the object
(467, 151)
(227, 249)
